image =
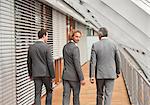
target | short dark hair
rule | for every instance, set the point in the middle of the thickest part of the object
(104, 31)
(41, 33)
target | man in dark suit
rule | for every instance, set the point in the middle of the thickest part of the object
(40, 67)
(72, 74)
(105, 65)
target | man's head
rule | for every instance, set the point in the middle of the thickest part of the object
(76, 36)
(103, 32)
(43, 34)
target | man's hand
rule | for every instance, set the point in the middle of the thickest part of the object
(53, 80)
(117, 75)
(82, 82)
(92, 80)
(30, 77)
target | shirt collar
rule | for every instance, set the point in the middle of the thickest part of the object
(102, 38)
(74, 42)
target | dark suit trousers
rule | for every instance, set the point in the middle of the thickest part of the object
(67, 87)
(104, 89)
(38, 82)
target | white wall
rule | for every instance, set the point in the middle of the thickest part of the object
(131, 12)
(121, 29)
(90, 41)
(82, 43)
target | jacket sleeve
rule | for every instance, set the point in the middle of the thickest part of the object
(29, 63)
(77, 64)
(92, 62)
(50, 63)
(117, 60)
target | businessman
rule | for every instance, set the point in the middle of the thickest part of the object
(40, 67)
(104, 66)
(72, 74)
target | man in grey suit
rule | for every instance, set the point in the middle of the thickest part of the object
(40, 67)
(105, 65)
(72, 73)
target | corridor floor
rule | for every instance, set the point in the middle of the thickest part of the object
(88, 92)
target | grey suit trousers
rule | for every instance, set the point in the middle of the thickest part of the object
(39, 81)
(75, 87)
(104, 90)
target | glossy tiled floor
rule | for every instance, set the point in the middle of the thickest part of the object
(88, 92)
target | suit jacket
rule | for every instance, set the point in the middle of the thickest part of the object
(105, 60)
(72, 67)
(40, 61)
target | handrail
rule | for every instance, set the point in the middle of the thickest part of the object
(136, 62)
(137, 84)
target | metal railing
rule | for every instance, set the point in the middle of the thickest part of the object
(138, 86)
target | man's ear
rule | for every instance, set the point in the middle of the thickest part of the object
(44, 36)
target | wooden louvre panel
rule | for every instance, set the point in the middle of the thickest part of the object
(59, 40)
(7, 53)
(30, 16)
(59, 33)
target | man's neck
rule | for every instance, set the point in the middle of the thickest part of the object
(41, 40)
